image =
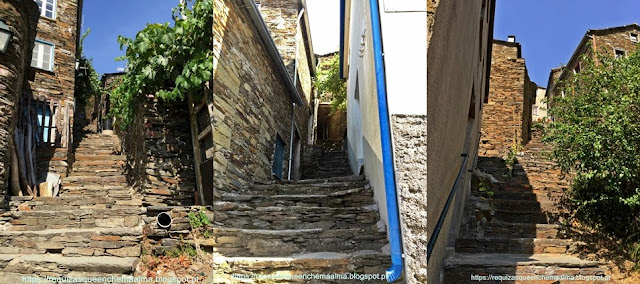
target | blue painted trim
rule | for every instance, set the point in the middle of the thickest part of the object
(342, 12)
(395, 240)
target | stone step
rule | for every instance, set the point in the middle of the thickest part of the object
(514, 245)
(99, 157)
(85, 218)
(92, 151)
(461, 266)
(344, 198)
(102, 163)
(517, 230)
(249, 242)
(93, 179)
(364, 262)
(36, 264)
(525, 205)
(306, 188)
(533, 217)
(507, 195)
(122, 242)
(73, 202)
(295, 217)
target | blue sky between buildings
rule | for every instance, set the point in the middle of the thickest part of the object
(108, 19)
(550, 30)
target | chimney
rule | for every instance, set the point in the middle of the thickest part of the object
(511, 38)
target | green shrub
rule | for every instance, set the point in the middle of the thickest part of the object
(596, 138)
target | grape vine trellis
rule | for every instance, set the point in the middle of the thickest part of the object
(172, 62)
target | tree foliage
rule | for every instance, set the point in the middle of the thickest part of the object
(172, 62)
(87, 83)
(596, 136)
(330, 85)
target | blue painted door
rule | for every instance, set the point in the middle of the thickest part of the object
(278, 158)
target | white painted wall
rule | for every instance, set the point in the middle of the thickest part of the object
(404, 35)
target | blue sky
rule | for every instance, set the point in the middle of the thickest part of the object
(108, 19)
(550, 30)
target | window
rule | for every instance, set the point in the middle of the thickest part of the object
(619, 53)
(47, 8)
(42, 56)
(258, 4)
(633, 37)
(577, 68)
(535, 110)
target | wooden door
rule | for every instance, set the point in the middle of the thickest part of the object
(201, 114)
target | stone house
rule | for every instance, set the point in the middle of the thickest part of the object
(539, 108)
(47, 103)
(387, 119)
(614, 41)
(262, 91)
(459, 64)
(507, 112)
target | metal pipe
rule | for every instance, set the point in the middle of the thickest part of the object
(395, 239)
(295, 85)
(164, 220)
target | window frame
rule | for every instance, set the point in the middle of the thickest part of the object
(51, 56)
(615, 54)
(43, 11)
(632, 35)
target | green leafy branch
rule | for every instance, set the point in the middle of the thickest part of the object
(172, 62)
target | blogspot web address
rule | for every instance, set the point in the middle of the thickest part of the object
(312, 276)
(540, 278)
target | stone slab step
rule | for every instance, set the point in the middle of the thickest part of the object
(364, 262)
(525, 205)
(89, 179)
(99, 157)
(533, 217)
(239, 215)
(122, 242)
(517, 230)
(461, 266)
(514, 245)
(36, 264)
(338, 198)
(246, 242)
(85, 218)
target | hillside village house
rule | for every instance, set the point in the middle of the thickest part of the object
(614, 41)
(387, 119)
(459, 63)
(506, 117)
(262, 92)
(47, 104)
(539, 108)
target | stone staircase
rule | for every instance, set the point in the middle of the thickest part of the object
(518, 232)
(309, 226)
(326, 159)
(93, 227)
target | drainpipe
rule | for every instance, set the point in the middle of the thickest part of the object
(395, 241)
(295, 84)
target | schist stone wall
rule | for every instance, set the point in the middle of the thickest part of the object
(170, 174)
(506, 117)
(252, 105)
(58, 85)
(22, 18)
(410, 155)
